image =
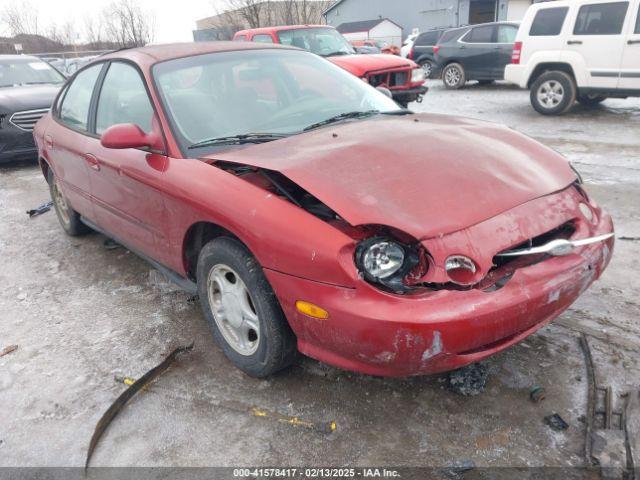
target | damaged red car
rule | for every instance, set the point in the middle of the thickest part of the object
(312, 215)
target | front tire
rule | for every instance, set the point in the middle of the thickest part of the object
(553, 93)
(454, 76)
(69, 219)
(242, 310)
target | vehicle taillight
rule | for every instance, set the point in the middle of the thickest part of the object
(517, 53)
(436, 49)
(410, 54)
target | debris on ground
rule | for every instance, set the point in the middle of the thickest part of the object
(8, 350)
(537, 394)
(126, 380)
(556, 422)
(632, 428)
(469, 380)
(44, 208)
(128, 394)
(322, 427)
(110, 244)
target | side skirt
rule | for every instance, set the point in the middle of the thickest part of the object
(184, 283)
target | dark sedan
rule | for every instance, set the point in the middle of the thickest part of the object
(28, 86)
(479, 52)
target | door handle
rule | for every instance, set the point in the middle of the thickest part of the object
(93, 162)
(574, 42)
(633, 42)
(462, 47)
(48, 140)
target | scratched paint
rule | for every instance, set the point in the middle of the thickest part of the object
(435, 349)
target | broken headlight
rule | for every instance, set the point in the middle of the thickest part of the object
(387, 262)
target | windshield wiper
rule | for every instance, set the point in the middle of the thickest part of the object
(335, 54)
(239, 139)
(340, 117)
(399, 112)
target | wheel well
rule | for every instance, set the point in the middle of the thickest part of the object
(44, 166)
(548, 67)
(196, 238)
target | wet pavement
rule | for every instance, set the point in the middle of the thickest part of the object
(81, 313)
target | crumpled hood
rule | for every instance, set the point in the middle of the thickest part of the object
(359, 65)
(426, 175)
(28, 97)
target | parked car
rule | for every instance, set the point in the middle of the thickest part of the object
(580, 50)
(402, 77)
(407, 45)
(480, 52)
(310, 213)
(27, 88)
(423, 50)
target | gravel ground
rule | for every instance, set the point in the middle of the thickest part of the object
(81, 314)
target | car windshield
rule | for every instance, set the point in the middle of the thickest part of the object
(325, 42)
(27, 72)
(260, 95)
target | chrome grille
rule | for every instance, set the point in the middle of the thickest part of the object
(27, 120)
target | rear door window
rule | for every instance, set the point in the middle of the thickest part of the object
(263, 38)
(451, 35)
(483, 34)
(427, 39)
(240, 38)
(601, 19)
(74, 110)
(507, 33)
(548, 22)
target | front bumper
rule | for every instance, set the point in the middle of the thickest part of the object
(16, 145)
(409, 95)
(382, 334)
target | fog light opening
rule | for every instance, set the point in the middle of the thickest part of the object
(461, 270)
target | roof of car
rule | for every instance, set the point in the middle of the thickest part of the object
(26, 58)
(362, 26)
(257, 31)
(158, 53)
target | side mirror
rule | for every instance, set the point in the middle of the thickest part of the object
(128, 135)
(386, 91)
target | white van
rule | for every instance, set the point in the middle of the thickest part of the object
(584, 50)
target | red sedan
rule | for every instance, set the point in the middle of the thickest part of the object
(310, 214)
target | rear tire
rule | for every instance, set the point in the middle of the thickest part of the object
(553, 93)
(242, 310)
(591, 100)
(428, 66)
(69, 219)
(454, 76)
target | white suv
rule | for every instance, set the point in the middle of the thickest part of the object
(584, 50)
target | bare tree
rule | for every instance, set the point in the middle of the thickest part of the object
(126, 24)
(20, 18)
(93, 30)
(66, 33)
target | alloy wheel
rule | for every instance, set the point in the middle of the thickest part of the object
(550, 94)
(60, 202)
(452, 77)
(233, 310)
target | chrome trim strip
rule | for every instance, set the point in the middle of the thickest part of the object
(557, 248)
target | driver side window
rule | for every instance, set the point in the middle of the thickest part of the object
(123, 99)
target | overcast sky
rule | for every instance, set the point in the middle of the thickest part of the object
(175, 19)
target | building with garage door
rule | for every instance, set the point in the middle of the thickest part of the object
(427, 14)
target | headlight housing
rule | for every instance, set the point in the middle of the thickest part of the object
(386, 261)
(418, 75)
